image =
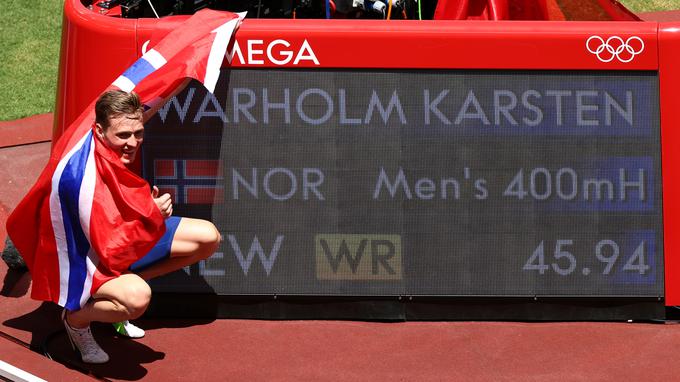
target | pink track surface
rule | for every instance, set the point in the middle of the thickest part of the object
(253, 350)
(37, 128)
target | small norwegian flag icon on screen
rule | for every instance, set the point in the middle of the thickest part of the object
(188, 181)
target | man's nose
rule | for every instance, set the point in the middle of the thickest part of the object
(132, 142)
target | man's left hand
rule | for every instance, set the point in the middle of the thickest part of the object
(163, 202)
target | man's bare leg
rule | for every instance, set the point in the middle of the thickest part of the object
(123, 298)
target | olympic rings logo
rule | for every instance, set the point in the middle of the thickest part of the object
(615, 47)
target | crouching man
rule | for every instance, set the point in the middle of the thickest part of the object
(119, 126)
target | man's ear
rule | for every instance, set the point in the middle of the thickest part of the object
(100, 130)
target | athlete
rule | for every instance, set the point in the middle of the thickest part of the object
(119, 125)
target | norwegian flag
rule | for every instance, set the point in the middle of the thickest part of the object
(88, 217)
(189, 181)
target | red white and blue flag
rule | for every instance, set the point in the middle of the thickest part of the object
(189, 181)
(88, 217)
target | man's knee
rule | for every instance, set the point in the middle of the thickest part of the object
(197, 238)
(212, 239)
(136, 299)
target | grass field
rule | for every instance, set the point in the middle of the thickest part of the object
(30, 33)
(29, 52)
(650, 5)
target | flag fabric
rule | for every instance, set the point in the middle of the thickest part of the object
(88, 217)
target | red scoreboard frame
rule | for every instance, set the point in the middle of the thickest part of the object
(96, 48)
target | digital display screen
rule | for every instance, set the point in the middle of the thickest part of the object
(417, 182)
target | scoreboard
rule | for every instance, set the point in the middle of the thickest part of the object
(419, 183)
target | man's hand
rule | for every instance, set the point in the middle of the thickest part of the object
(164, 202)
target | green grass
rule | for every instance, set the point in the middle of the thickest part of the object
(30, 33)
(650, 5)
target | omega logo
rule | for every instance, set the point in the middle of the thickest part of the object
(278, 52)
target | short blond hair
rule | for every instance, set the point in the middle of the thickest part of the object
(113, 103)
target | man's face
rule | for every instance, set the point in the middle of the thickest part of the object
(124, 135)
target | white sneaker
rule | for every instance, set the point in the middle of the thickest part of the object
(128, 329)
(90, 352)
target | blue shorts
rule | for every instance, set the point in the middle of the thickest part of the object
(161, 250)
